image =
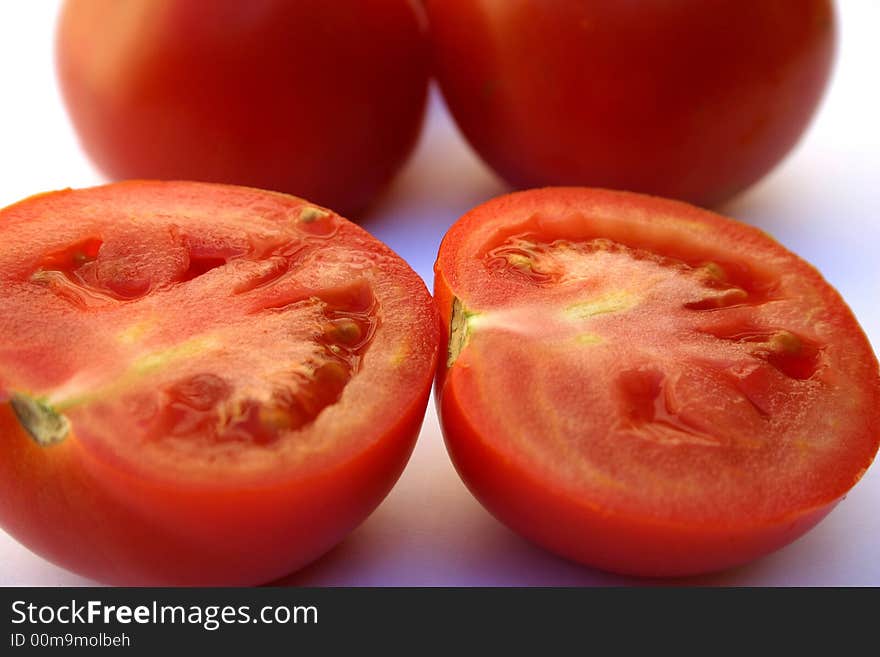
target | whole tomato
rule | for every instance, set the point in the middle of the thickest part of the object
(320, 99)
(693, 99)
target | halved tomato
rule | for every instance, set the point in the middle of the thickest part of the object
(647, 387)
(201, 384)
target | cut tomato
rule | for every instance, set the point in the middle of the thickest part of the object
(201, 384)
(647, 387)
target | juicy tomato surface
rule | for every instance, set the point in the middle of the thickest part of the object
(201, 384)
(644, 386)
(319, 99)
(695, 99)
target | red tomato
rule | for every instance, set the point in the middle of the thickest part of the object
(692, 99)
(319, 99)
(200, 384)
(644, 386)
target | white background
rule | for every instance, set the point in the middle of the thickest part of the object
(823, 202)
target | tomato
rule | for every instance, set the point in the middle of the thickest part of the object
(694, 99)
(201, 384)
(319, 99)
(647, 387)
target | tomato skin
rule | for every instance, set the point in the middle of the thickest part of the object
(692, 100)
(532, 492)
(323, 100)
(141, 504)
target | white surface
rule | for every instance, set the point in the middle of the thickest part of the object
(823, 202)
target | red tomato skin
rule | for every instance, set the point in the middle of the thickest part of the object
(693, 100)
(323, 100)
(148, 535)
(618, 544)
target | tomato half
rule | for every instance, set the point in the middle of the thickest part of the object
(647, 387)
(692, 99)
(320, 99)
(201, 384)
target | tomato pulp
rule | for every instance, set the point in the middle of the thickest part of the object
(647, 387)
(319, 99)
(693, 99)
(201, 384)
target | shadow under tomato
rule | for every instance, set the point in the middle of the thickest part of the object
(443, 180)
(790, 200)
(324, 570)
(487, 555)
(490, 555)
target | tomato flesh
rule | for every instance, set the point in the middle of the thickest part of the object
(192, 364)
(678, 387)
